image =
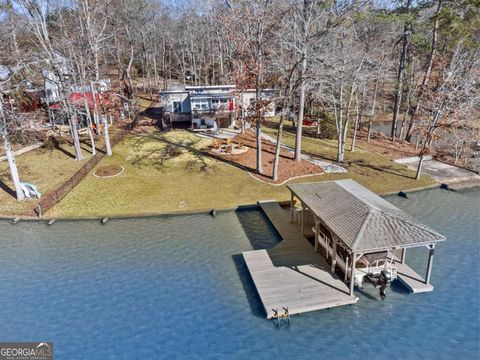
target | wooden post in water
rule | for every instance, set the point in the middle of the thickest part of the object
(404, 255)
(346, 269)
(429, 265)
(352, 276)
(334, 256)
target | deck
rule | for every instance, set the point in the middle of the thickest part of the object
(291, 274)
(411, 280)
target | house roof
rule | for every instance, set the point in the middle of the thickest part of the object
(76, 99)
(210, 87)
(167, 92)
(211, 96)
(362, 220)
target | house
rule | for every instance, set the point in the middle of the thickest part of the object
(209, 107)
(267, 95)
(52, 87)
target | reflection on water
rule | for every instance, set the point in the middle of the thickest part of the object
(177, 287)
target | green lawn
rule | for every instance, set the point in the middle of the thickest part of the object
(164, 172)
(45, 168)
(376, 172)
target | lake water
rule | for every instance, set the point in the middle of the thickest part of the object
(176, 288)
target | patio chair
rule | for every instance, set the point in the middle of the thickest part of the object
(229, 149)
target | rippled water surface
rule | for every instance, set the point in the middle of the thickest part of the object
(176, 287)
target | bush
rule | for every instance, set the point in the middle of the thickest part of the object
(53, 142)
(328, 129)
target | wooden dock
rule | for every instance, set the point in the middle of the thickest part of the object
(292, 275)
(411, 280)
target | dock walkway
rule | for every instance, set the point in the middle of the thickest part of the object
(291, 274)
(411, 280)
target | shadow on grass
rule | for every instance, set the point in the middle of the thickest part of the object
(66, 152)
(385, 168)
(173, 149)
(89, 147)
(7, 189)
(157, 156)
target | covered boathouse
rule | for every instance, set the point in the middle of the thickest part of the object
(351, 226)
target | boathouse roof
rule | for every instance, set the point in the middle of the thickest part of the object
(362, 220)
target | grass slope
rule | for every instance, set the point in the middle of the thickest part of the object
(164, 172)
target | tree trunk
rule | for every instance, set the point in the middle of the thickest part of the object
(107, 136)
(301, 109)
(400, 76)
(243, 113)
(278, 148)
(419, 168)
(89, 119)
(10, 155)
(155, 70)
(402, 128)
(340, 148)
(355, 129)
(75, 137)
(95, 107)
(426, 76)
(259, 129)
(164, 65)
(96, 65)
(369, 134)
(13, 29)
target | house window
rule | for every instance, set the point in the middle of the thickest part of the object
(200, 104)
(215, 101)
(177, 106)
(223, 101)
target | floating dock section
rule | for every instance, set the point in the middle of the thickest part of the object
(291, 275)
(411, 280)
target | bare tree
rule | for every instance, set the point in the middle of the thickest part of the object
(454, 89)
(340, 66)
(38, 18)
(251, 27)
(9, 153)
(405, 41)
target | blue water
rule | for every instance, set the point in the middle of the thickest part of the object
(176, 287)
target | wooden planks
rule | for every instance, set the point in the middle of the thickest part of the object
(291, 274)
(411, 280)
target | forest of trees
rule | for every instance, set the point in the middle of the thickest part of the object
(416, 63)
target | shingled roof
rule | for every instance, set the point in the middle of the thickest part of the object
(361, 219)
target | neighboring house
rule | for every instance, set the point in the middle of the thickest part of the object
(52, 88)
(266, 95)
(207, 107)
(53, 93)
(175, 101)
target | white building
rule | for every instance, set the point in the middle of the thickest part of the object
(207, 107)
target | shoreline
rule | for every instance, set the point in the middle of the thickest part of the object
(205, 211)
